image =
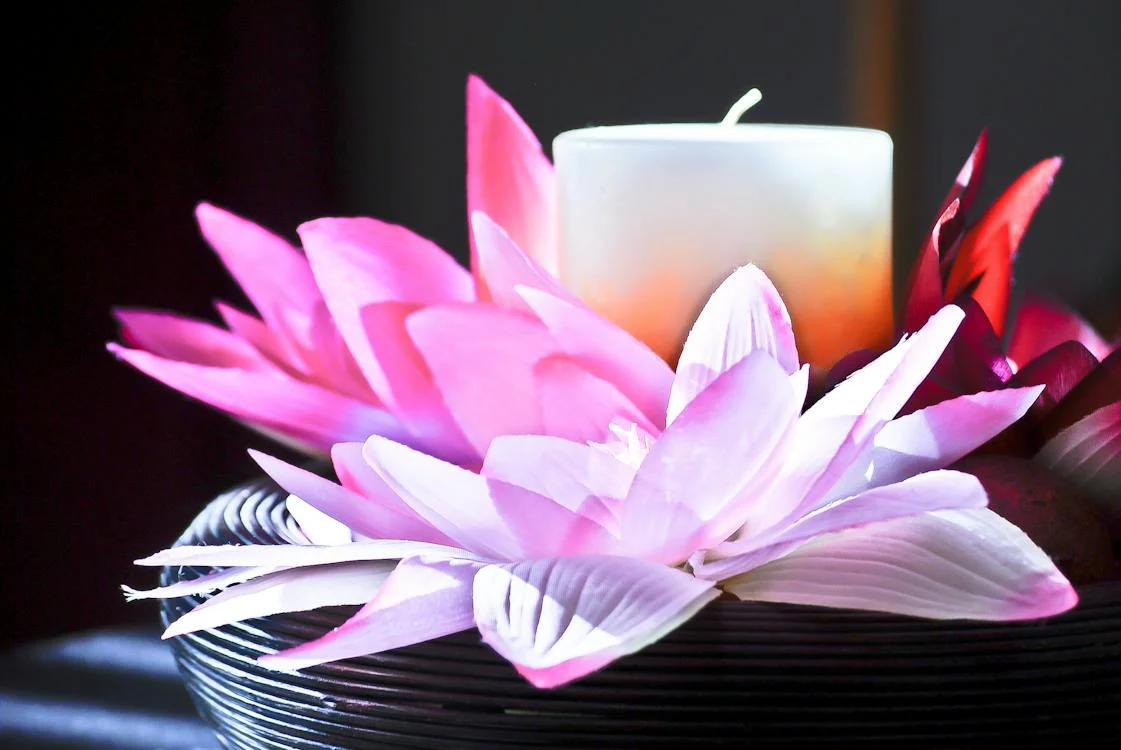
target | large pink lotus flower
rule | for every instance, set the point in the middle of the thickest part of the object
(567, 555)
(337, 352)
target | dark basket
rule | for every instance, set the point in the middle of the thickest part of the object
(737, 675)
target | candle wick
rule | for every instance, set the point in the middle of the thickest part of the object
(744, 103)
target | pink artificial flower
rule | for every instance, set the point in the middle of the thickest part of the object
(330, 358)
(567, 555)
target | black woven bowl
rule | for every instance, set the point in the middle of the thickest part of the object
(737, 675)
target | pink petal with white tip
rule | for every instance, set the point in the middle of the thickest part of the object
(376, 516)
(185, 340)
(273, 274)
(509, 178)
(930, 491)
(956, 564)
(744, 314)
(582, 478)
(483, 361)
(359, 262)
(558, 620)
(934, 437)
(421, 600)
(607, 351)
(579, 406)
(724, 441)
(489, 517)
(297, 590)
(306, 412)
(503, 266)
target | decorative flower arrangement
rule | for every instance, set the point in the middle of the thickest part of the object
(509, 460)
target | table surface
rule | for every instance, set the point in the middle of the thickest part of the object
(115, 688)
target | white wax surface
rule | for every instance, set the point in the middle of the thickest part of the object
(653, 217)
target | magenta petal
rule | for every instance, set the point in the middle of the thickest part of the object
(924, 290)
(373, 516)
(922, 493)
(1041, 325)
(744, 314)
(558, 620)
(724, 441)
(503, 266)
(579, 406)
(277, 348)
(1058, 370)
(606, 351)
(421, 600)
(509, 178)
(295, 590)
(487, 516)
(483, 361)
(185, 340)
(360, 262)
(273, 401)
(274, 275)
(581, 477)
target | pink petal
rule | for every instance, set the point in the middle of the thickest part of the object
(1088, 453)
(1042, 324)
(509, 178)
(924, 290)
(579, 406)
(965, 188)
(503, 266)
(296, 590)
(297, 555)
(303, 411)
(582, 478)
(483, 361)
(419, 403)
(724, 440)
(204, 584)
(421, 600)
(744, 314)
(490, 517)
(184, 340)
(934, 437)
(359, 262)
(958, 564)
(375, 516)
(559, 620)
(274, 275)
(930, 491)
(277, 348)
(606, 351)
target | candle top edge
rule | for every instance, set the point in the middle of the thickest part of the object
(716, 133)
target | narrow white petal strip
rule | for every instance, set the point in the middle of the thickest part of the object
(287, 591)
(202, 585)
(957, 564)
(934, 437)
(422, 599)
(743, 315)
(317, 526)
(557, 620)
(934, 490)
(297, 555)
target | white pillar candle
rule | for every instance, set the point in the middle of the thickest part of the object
(652, 218)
